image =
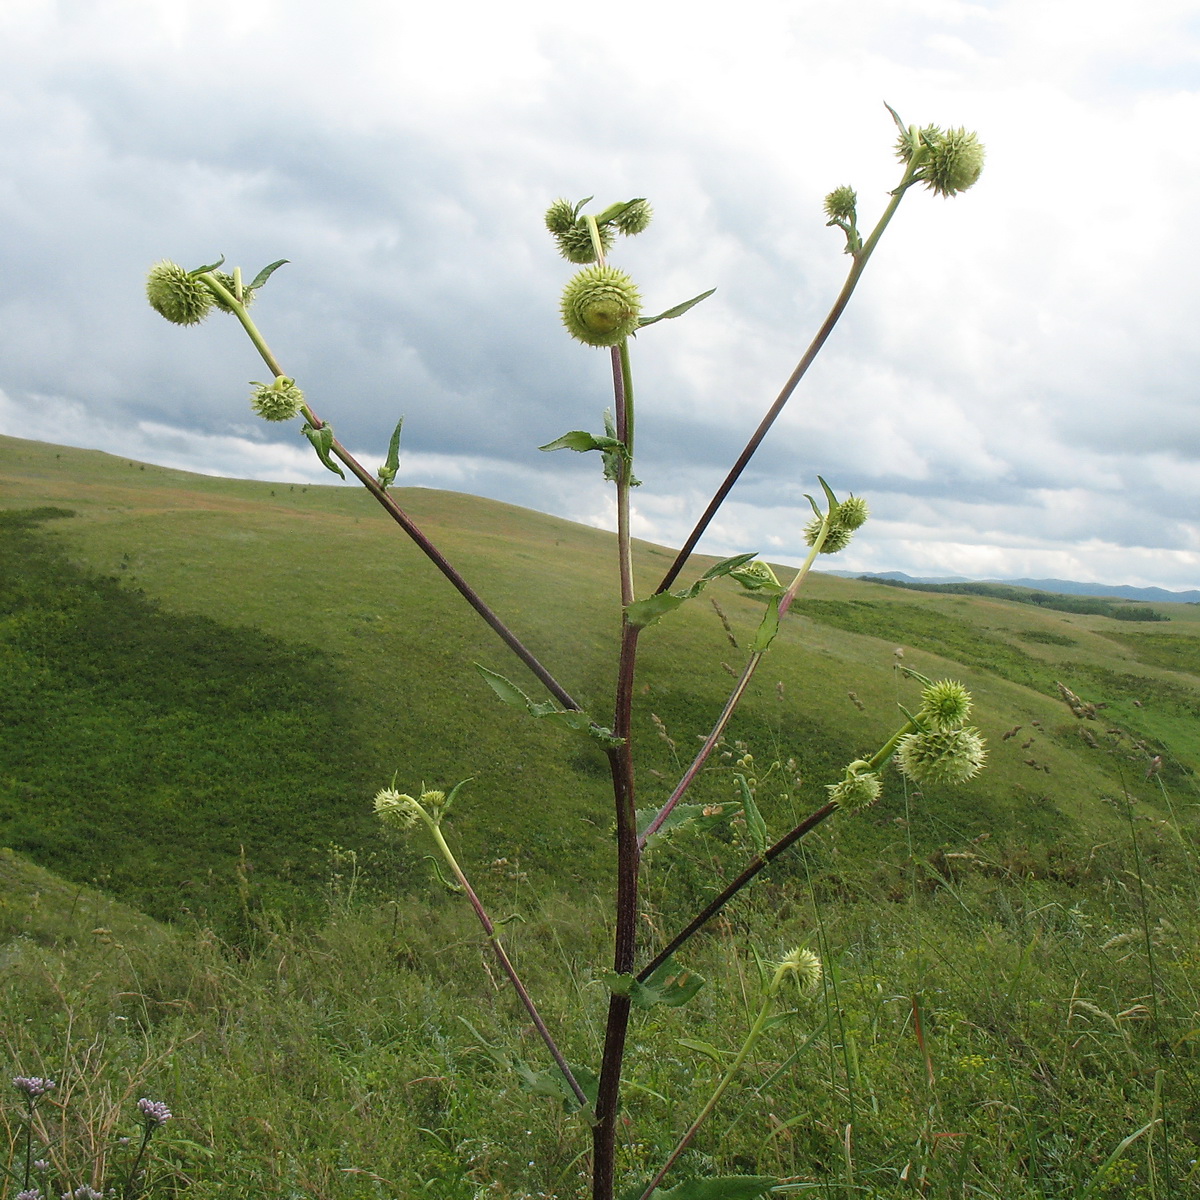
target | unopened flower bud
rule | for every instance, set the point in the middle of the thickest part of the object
(600, 306)
(852, 513)
(955, 162)
(840, 204)
(944, 705)
(560, 216)
(175, 294)
(575, 244)
(837, 537)
(941, 755)
(278, 401)
(634, 219)
(154, 1112)
(229, 283)
(860, 787)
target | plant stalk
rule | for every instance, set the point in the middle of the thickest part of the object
(506, 963)
(860, 260)
(398, 515)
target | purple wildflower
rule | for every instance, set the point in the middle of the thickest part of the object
(83, 1192)
(155, 1112)
(33, 1086)
(31, 1194)
(40, 1164)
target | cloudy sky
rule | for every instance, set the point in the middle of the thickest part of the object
(1015, 387)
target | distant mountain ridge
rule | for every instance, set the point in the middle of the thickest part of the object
(1067, 587)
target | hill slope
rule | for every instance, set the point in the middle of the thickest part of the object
(219, 673)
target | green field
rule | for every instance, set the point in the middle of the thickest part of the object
(206, 680)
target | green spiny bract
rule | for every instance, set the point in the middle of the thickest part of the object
(841, 203)
(944, 705)
(847, 517)
(859, 788)
(572, 232)
(575, 244)
(227, 281)
(278, 401)
(941, 755)
(177, 295)
(600, 306)
(634, 218)
(955, 162)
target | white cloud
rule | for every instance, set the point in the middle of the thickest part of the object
(1018, 358)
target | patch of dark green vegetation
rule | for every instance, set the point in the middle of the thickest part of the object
(938, 633)
(1162, 650)
(1154, 708)
(1096, 606)
(164, 755)
(1045, 637)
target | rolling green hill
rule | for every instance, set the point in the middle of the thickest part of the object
(204, 681)
(213, 677)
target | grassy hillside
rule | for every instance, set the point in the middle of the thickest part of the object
(215, 675)
(206, 680)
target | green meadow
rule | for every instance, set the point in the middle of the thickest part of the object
(203, 683)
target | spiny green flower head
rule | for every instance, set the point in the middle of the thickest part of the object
(841, 203)
(634, 219)
(860, 787)
(852, 513)
(955, 162)
(941, 755)
(396, 809)
(838, 537)
(278, 401)
(803, 965)
(913, 139)
(177, 295)
(225, 278)
(575, 244)
(601, 306)
(561, 216)
(945, 705)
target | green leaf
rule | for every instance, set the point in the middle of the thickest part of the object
(582, 441)
(387, 473)
(613, 211)
(266, 274)
(552, 1082)
(779, 1018)
(670, 984)
(833, 500)
(704, 1048)
(768, 627)
(210, 267)
(723, 1187)
(677, 311)
(322, 443)
(574, 719)
(643, 613)
(756, 827)
(700, 817)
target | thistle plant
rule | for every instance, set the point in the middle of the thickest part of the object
(602, 307)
